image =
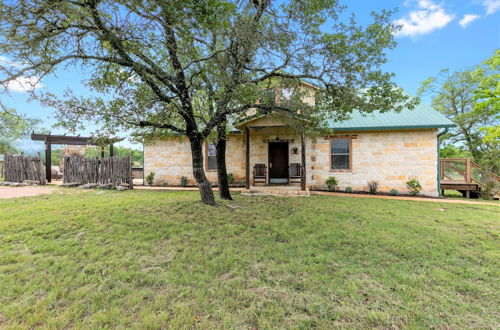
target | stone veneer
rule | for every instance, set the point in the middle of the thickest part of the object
(389, 157)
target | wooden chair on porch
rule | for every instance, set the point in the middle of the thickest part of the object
(259, 173)
(294, 173)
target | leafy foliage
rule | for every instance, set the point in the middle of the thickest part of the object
(332, 183)
(348, 189)
(184, 181)
(414, 186)
(188, 67)
(150, 178)
(13, 126)
(470, 98)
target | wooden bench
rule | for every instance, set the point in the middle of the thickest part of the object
(294, 173)
(259, 173)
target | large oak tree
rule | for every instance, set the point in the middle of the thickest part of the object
(187, 67)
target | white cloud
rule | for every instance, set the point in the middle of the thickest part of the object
(492, 6)
(24, 84)
(426, 18)
(467, 19)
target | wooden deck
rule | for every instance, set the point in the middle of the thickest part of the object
(467, 177)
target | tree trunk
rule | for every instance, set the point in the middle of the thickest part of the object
(207, 195)
(224, 192)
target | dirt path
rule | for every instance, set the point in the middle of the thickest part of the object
(14, 192)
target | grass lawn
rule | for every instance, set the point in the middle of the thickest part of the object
(149, 259)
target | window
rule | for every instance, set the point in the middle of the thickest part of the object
(211, 156)
(340, 154)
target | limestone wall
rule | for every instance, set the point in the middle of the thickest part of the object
(170, 159)
(391, 158)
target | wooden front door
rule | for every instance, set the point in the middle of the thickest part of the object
(278, 162)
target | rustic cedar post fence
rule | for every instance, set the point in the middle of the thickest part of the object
(18, 168)
(114, 170)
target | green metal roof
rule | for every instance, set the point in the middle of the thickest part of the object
(423, 116)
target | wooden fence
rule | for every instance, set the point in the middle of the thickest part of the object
(115, 170)
(18, 168)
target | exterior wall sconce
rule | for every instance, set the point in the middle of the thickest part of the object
(295, 150)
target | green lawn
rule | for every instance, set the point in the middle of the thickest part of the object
(146, 259)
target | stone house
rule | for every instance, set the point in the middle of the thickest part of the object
(389, 148)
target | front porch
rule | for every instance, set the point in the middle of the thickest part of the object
(275, 156)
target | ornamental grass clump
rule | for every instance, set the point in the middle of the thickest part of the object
(373, 187)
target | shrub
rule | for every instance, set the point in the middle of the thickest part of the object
(394, 192)
(332, 183)
(150, 178)
(414, 186)
(372, 187)
(165, 184)
(348, 189)
(184, 181)
(487, 191)
(230, 178)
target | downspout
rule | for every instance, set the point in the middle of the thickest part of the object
(439, 160)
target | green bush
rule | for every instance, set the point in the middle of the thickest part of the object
(150, 178)
(332, 183)
(348, 189)
(394, 192)
(373, 187)
(165, 184)
(184, 181)
(230, 178)
(414, 186)
(487, 191)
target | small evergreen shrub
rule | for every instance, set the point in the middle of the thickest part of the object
(230, 178)
(348, 189)
(414, 186)
(332, 183)
(372, 187)
(184, 181)
(165, 184)
(150, 178)
(394, 192)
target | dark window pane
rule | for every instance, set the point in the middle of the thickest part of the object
(211, 156)
(212, 163)
(340, 162)
(339, 146)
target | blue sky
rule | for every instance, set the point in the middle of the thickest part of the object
(454, 34)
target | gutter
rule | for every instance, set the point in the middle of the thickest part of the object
(439, 160)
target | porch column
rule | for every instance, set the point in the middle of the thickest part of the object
(303, 182)
(48, 160)
(247, 162)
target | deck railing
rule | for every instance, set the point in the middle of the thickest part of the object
(463, 170)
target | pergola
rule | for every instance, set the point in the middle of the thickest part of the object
(50, 139)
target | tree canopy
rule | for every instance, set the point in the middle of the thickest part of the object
(189, 66)
(12, 127)
(470, 98)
